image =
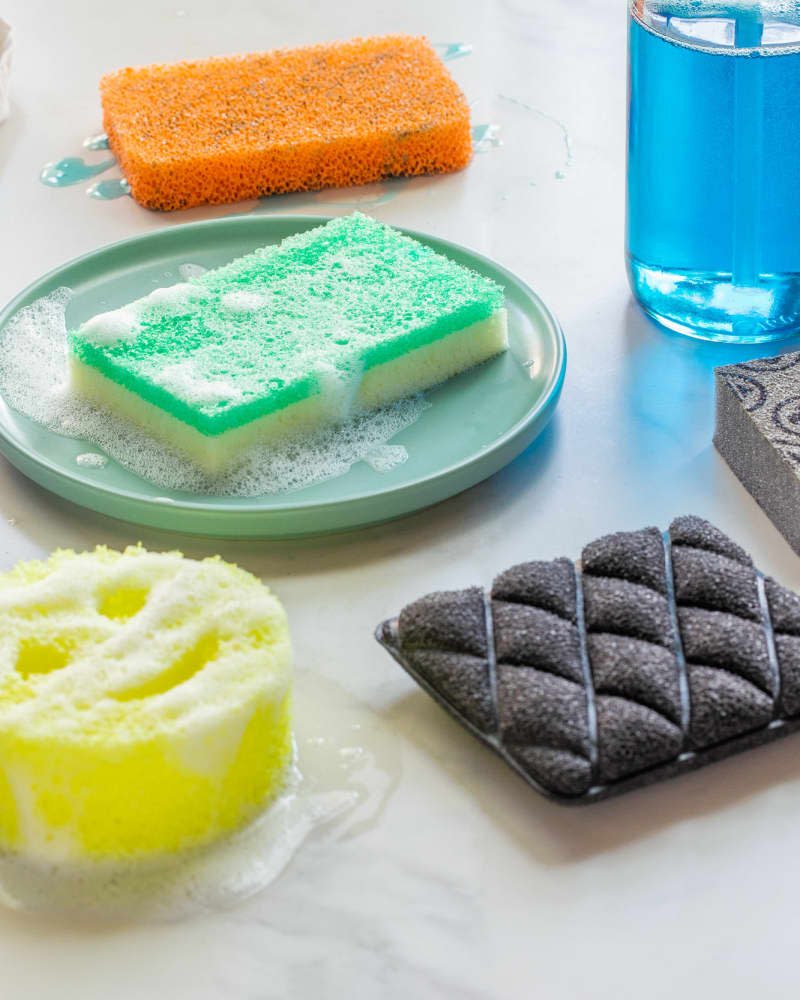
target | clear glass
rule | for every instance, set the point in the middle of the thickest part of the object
(713, 227)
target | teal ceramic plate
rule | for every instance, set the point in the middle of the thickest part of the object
(477, 423)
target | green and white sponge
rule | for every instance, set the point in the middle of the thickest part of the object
(349, 316)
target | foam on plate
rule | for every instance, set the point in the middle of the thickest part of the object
(346, 317)
(34, 381)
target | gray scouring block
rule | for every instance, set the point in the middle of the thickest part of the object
(758, 434)
(657, 654)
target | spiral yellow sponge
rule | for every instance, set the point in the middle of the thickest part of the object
(144, 703)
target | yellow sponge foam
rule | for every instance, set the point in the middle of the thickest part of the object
(144, 703)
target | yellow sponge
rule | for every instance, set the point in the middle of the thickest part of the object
(144, 703)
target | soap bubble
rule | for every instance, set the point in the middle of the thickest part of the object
(34, 381)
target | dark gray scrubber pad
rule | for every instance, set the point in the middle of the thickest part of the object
(444, 637)
(658, 655)
(636, 556)
(758, 434)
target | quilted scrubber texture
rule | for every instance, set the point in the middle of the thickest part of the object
(658, 654)
(236, 127)
(144, 704)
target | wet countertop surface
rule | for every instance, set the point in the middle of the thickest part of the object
(450, 878)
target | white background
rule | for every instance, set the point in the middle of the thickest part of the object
(467, 884)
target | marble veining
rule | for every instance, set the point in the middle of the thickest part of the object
(456, 881)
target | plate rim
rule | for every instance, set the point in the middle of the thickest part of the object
(213, 506)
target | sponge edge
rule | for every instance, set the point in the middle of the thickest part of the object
(144, 704)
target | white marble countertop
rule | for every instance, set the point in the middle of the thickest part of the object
(459, 881)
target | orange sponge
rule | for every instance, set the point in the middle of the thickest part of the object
(235, 127)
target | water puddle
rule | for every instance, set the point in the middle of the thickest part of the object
(485, 138)
(34, 379)
(566, 139)
(346, 767)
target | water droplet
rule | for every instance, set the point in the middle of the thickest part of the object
(71, 170)
(453, 50)
(485, 137)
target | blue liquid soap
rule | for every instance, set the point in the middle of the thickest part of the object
(713, 236)
(71, 170)
(453, 50)
(116, 187)
(97, 141)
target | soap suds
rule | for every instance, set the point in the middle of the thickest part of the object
(34, 381)
(243, 303)
(112, 327)
(91, 460)
(386, 457)
(335, 297)
(174, 299)
(185, 380)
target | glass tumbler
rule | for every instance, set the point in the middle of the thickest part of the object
(713, 223)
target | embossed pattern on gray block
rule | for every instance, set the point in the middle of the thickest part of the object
(656, 655)
(758, 434)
